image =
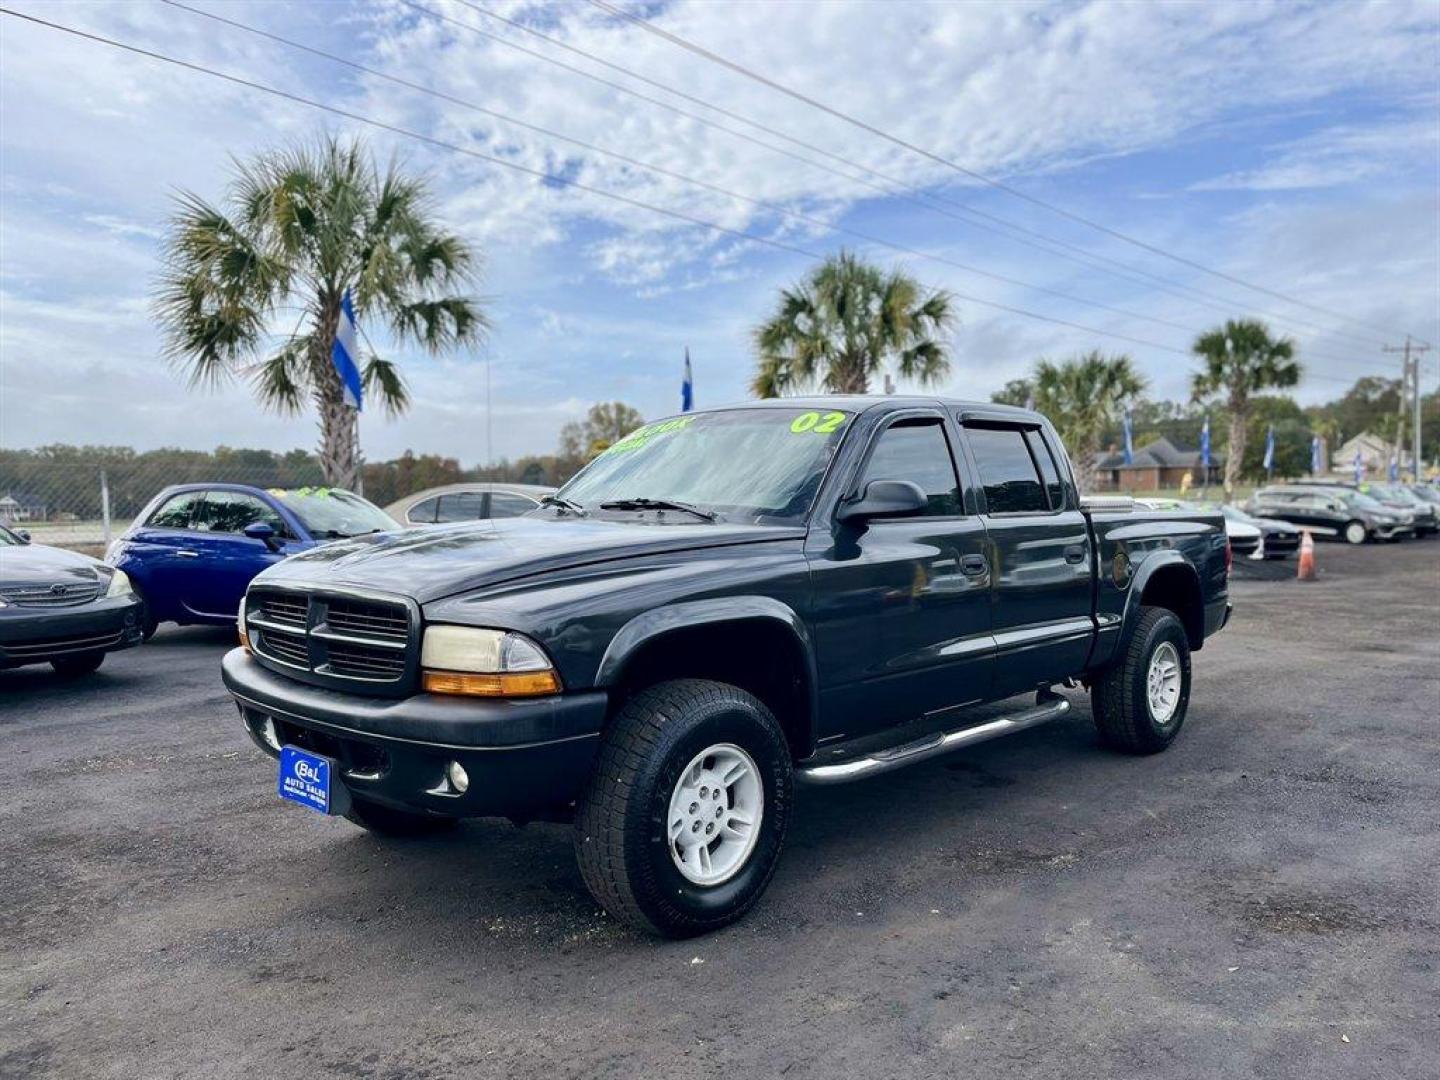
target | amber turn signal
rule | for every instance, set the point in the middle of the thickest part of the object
(244, 638)
(501, 684)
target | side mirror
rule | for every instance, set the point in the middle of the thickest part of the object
(884, 498)
(24, 535)
(263, 530)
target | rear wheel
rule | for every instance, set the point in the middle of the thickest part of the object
(681, 828)
(1355, 532)
(72, 667)
(1139, 702)
(388, 821)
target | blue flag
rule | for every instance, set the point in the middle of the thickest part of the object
(1205, 444)
(1316, 465)
(345, 353)
(1129, 440)
(1270, 448)
(1394, 467)
(1359, 467)
(687, 386)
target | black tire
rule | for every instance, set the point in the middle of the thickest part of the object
(388, 821)
(74, 667)
(1349, 535)
(622, 839)
(148, 625)
(1119, 700)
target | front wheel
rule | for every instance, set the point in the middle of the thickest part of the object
(73, 667)
(1139, 702)
(1355, 532)
(682, 824)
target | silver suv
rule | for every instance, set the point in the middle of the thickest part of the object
(1332, 511)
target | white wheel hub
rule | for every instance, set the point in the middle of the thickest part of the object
(715, 813)
(1162, 682)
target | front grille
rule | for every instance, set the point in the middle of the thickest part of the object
(61, 594)
(335, 639)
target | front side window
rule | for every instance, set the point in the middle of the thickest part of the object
(1007, 471)
(423, 512)
(175, 512)
(231, 511)
(507, 504)
(917, 451)
(760, 465)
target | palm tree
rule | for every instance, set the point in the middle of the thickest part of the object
(297, 229)
(845, 323)
(1241, 358)
(1083, 397)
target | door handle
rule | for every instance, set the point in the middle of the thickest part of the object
(1075, 553)
(187, 554)
(974, 565)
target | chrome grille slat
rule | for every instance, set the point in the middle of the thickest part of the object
(46, 596)
(335, 639)
(51, 646)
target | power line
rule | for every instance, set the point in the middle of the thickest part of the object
(918, 196)
(541, 174)
(999, 185)
(684, 178)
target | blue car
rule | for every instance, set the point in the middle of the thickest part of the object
(192, 551)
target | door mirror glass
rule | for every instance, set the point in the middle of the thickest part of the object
(885, 498)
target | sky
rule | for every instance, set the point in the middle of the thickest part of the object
(1293, 146)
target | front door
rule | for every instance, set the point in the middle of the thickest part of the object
(1041, 558)
(225, 558)
(901, 610)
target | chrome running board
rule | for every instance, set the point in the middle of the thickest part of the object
(1048, 707)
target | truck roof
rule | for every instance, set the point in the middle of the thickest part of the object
(866, 402)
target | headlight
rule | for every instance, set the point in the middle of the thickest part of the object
(490, 663)
(120, 585)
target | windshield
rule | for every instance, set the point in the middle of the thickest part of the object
(759, 465)
(329, 513)
(1362, 501)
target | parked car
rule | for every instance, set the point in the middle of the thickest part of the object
(191, 551)
(721, 605)
(467, 502)
(1246, 538)
(1279, 539)
(1331, 510)
(62, 608)
(1400, 497)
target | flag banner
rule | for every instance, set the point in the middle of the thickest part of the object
(1359, 468)
(1129, 440)
(1317, 464)
(1394, 467)
(1270, 448)
(687, 386)
(1205, 444)
(345, 353)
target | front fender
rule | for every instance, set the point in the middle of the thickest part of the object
(657, 622)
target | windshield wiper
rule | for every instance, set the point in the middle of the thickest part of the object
(561, 503)
(658, 504)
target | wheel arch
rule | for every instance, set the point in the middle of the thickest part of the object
(755, 642)
(1167, 580)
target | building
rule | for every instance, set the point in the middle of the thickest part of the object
(15, 508)
(1157, 466)
(1374, 454)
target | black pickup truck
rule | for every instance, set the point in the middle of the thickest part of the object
(721, 606)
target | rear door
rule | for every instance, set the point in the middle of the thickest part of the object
(1040, 556)
(901, 608)
(226, 559)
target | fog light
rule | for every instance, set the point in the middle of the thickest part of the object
(459, 778)
(269, 734)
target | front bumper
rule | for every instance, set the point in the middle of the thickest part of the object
(524, 757)
(1388, 531)
(38, 635)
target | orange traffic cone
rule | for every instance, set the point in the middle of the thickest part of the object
(1307, 557)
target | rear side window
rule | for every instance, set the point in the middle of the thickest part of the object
(231, 511)
(461, 506)
(917, 450)
(423, 512)
(1048, 473)
(508, 504)
(1007, 471)
(175, 512)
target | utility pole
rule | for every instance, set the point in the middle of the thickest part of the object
(1410, 383)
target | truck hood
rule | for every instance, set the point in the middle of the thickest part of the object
(434, 562)
(36, 564)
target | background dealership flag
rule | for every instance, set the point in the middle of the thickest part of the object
(345, 352)
(1129, 440)
(1315, 457)
(1270, 448)
(1205, 446)
(687, 387)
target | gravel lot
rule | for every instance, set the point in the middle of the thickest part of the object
(1263, 900)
